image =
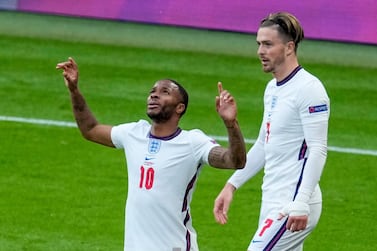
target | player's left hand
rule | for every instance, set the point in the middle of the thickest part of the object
(226, 105)
(297, 213)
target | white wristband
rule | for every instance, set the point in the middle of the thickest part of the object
(296, 208)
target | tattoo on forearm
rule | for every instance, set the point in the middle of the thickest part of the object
(84, 118)
(235, 155)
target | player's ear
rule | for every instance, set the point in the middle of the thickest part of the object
(180, 108)
(290, 48)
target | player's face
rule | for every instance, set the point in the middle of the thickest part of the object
(163, 101)
(271, 49)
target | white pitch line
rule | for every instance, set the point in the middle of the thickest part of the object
(38, 121)
(219, 138)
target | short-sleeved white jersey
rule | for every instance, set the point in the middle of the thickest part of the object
(162, 173)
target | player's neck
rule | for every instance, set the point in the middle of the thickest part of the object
(285, 69)
(164, 129)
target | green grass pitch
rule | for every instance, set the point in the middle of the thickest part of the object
(60, 192)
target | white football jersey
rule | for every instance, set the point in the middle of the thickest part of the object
(292, 108)
(162, 174)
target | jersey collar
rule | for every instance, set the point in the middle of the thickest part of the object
(176, 133)
(289, 77)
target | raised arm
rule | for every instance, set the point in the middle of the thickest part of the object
(87, 123)
(235, 155)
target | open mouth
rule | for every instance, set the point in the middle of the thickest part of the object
(264, 60)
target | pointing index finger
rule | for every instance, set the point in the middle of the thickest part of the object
(220, 87)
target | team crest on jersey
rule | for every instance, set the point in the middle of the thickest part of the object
(318, 108)
(274, 101)
(154, 145)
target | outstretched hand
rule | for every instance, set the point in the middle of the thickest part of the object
(70, 73)
(226, 105)
(222, 204)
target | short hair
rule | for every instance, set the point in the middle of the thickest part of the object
(184, 94)
(287, 25)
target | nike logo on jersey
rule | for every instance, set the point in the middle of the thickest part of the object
(255, 241)
(149, 158)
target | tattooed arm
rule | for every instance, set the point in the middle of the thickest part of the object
(235, 155)
(87, 123)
